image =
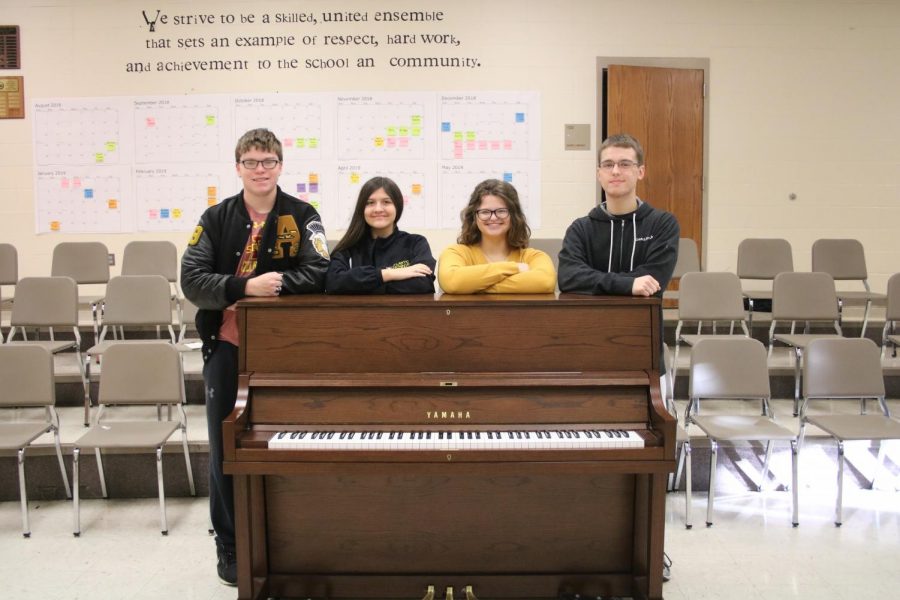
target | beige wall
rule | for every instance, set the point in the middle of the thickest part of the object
(804, 98)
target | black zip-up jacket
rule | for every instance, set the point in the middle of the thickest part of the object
(293, 243)
(604, 253)
(358, 270)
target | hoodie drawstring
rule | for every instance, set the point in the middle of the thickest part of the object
(633, 239)
(612, 234)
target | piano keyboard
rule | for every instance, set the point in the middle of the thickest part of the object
(583, 439)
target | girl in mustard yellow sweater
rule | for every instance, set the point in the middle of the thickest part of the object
(492, 255)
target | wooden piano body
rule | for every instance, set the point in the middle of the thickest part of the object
(529, 523)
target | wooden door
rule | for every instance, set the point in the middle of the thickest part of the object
(663, 109)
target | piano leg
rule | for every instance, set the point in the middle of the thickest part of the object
(250, 534)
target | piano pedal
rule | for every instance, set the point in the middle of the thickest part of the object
(449, 595)
(470, 593)
(429, 593)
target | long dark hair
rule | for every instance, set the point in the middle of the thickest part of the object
(358, 228)
(519, 232)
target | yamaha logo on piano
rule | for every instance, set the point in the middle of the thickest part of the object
(445, 415)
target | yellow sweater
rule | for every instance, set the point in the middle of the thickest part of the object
(465, 270)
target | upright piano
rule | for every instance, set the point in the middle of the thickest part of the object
(424, 447)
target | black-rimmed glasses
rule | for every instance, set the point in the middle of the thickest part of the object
(267, 163)
(485, 214)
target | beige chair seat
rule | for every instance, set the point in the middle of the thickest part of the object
(102, 347)
(857, 427)
(742, 428)
(692, 340)
(18, 435)
(51, 346)
(801, 340)
(127, 434)
(860, 296)
(894, 339)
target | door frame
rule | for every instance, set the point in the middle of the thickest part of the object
(603, 62)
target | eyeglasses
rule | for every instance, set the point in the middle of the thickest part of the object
(609, 165)
(485, 214)
(267, 163)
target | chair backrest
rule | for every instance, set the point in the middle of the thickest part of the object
(151, 258)
(85, 262)
(45, 302)
(729, 368)
(551, 246)
(842, 368)
(138, 300)
(9, 264)
(688, 258)
(804, 297)
(706, 296)
(842, 259)
(764, 258)
(141, 373)
(26, 376)
(893, 298)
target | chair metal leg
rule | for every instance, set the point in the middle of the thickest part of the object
(187, 461)
(162, 492)
(840, 483)
(687, 494)
(765, 471)
(75, 495)
(798, 356)
(713, 455)
(101, 473)
(862, 334)
(878, 463)
(795, 517)
(54, 421)
(23, 498)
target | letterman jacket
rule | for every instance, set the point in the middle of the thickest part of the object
(293, 243)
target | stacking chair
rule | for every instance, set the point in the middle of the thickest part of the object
(48, 303)
(761, 259)
(9, 267)
(846, 369)
(147, 374)
(733, 369)
(688, 262)
(845, 260)
(551, 246)
(807, 298)
(85, 262)
(712, 298)
(131, 301)
(892, 316)
(155, 257)
(26, 381)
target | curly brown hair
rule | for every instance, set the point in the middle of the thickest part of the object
(519, 232)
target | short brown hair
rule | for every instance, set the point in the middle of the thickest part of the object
(622, 140)
(261, 139)
(519, 232)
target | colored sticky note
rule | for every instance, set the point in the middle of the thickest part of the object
(416, 189)
(507, 177)
(210, 201)
(54, 225)
(417, 120)
(314, 178)
(392, 131)
(482, 144)
(470, 135)
(151, 122)
(88, 193)
(210, 119)
(287, 142)
(354, 177)
(211, 191)
(152, 213)
(316, 204)
(313, 142)
(495, 144)
(445, 126)
(176, 213)
(112, 203)
(98, 157)
(392, 142)
(301, 143)
(520, 117)
(64, 183)
(507, 144)
(403, 130)
(314, 188)
(76, 182)
(470, 145)
(301, 188)
(416, 131)
(164, 213)
(458, 135)
(379, 142)
(110, 146)
(404, 142)
(304, 197)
